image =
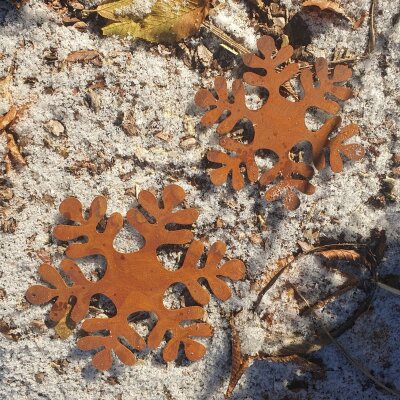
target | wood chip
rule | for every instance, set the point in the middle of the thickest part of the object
(204, 55)
(129, 124)
(56, 128)
(8, 225)
(44, 256)
(188, 143)
(93, 100)
(166, 136)
(39, 377)
(6, 194)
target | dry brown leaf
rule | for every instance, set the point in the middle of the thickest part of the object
(341, 254)
(169, 21)
(304, 245)
(13, 151)
(6, 119)
(85, 56)
(327, 5)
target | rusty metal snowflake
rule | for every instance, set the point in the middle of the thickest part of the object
(279, 124)
(136, 281)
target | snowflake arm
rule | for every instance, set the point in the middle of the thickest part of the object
(315, 95)
(171, 321)
(337, 147)
(82, 289)
(97, 242)
(237, 109)
(157, 234)
(272, 78)
(190, 274)
(118, 328)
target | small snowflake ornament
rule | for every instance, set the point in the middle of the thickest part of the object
(279, 124)
(135, 281)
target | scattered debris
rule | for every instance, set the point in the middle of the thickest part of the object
(367, 256)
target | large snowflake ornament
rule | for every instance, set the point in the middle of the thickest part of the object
(279, 124)
(135, 281)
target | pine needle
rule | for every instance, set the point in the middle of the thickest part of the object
(390, 289)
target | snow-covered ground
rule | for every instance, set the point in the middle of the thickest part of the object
(151, 87)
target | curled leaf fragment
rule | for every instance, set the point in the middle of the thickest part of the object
(326, 5)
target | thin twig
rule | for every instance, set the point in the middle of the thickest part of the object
(321, 303)
(225, 38)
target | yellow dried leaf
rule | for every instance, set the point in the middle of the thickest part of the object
(108, 10)
(169, 21)
(62, 329)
